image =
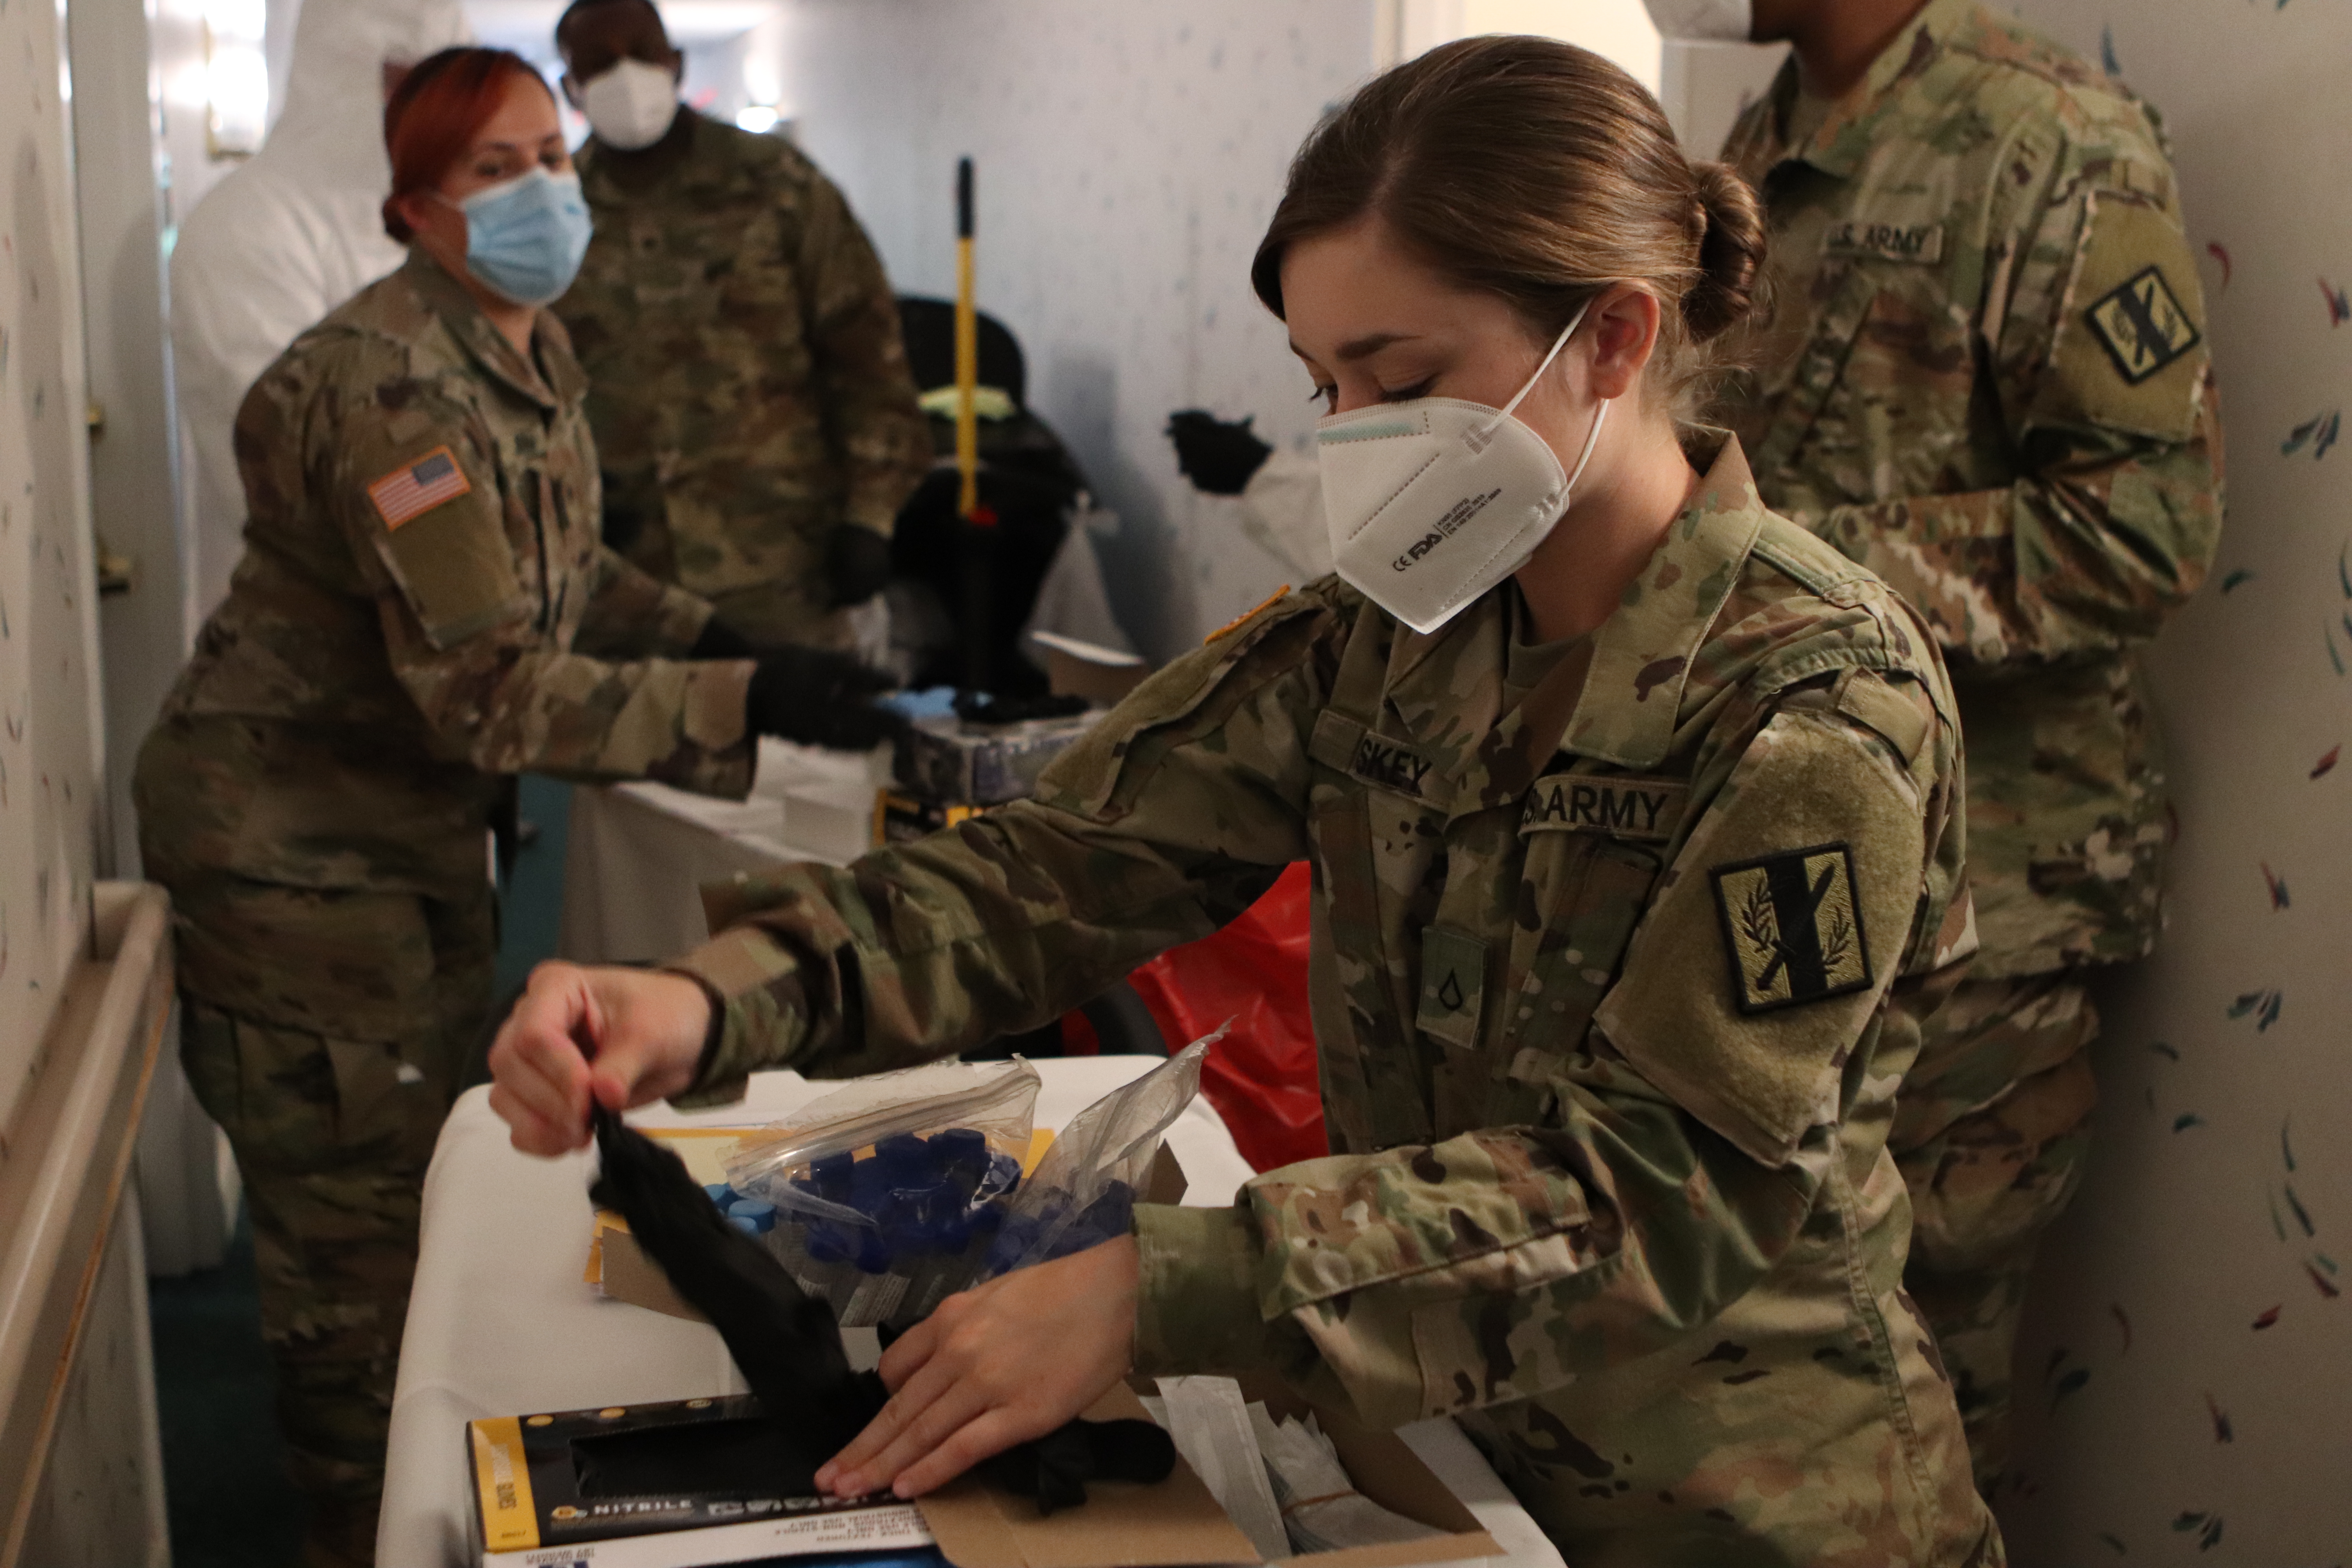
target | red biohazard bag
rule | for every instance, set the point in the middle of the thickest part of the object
(1261, 1077)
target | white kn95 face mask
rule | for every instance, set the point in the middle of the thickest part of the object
(1433, 501)
(631, 106)
(1704, 21)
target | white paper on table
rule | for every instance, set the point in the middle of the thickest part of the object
(1322, 1509)
(1212, 1429)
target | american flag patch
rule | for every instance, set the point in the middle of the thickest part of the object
(411, 492)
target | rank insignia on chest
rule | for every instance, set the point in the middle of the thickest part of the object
(1791, 927)
(2142, 326)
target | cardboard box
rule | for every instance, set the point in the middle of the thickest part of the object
(611, 1488)
(1172, 1524)
(948, 761)
(1177, 1522)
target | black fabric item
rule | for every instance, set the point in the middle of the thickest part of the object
(719, 640)
(789, 1350)
(982, 707)
(858, 561)
(818, 698)
(783, 1340)
(1219, 456)
(1056, 1468)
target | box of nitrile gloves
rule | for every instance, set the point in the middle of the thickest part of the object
(670, 1484)
(954, 761)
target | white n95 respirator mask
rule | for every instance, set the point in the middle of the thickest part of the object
(631, 106)
(1704, 21)
(1433, 501)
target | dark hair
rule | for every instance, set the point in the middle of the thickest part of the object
(573, 13)
(1537, 171)
(436, 112)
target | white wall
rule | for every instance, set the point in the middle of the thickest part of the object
(1129, 158)
(2194, 1418)
(48, 745)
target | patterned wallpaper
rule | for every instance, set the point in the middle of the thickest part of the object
(48, 693)
(1127, 157)
(2187, 1362)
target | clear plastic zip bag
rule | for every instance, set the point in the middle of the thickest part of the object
(886, 1196)
(1082, 1193)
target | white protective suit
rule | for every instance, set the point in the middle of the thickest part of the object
(1281, 508)
(278, 243)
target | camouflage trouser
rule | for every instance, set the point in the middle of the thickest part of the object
(1990, 1134)
(324, 1031)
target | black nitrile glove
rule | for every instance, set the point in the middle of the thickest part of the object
(820, 698)
(789, 1348)
(719, 640)
(858, 560)
(1218, 456)
(1056, 1468)
(783, 1338)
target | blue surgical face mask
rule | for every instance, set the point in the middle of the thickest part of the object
(525, 236)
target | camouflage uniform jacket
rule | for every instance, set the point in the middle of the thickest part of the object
(1995, 393)
(423, 605)
(1612, 991)
(748, 381)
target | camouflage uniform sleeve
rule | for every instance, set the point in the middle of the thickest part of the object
(1166, 821)
(1684, 1148)
(631, 612)
(2094, 321)
(463, 635)
(866, 391)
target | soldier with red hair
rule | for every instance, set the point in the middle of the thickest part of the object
(423, 610)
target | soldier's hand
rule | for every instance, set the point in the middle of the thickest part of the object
(624, 1035)
(815, 698)
(999, 1364)
(1219, 456)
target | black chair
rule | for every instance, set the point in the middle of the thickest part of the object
(983, 576)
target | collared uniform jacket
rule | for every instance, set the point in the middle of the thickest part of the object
(1994, 389)
(1613, 993)
(424, 607)
(748, 381)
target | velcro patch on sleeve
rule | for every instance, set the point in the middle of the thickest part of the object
(2130, 351)
(414, 488)
(1792, 928)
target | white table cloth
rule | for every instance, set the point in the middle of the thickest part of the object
(501, 1323)
(638, 854)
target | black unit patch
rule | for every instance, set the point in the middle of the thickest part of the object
(1792, 927)
(2142, 326)
(1645, 810)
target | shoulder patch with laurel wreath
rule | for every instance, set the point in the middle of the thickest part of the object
(1791, 927)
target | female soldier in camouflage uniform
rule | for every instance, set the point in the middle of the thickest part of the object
(422, 610)
(1633, 876)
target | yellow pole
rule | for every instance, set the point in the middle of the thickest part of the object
(966, 350)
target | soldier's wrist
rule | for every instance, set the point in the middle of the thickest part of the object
(1196, 1300)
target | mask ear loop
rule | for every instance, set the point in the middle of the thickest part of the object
(1478, 438)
